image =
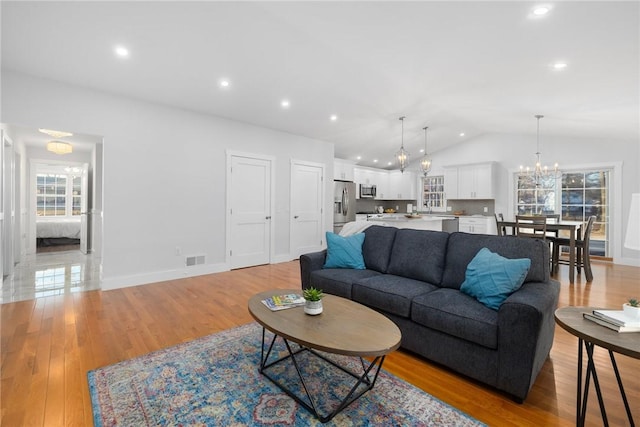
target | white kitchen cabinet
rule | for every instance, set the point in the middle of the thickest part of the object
(381, 180)
(470, 181)
(403, 186)
(343, 170)
(477, 225)
(451, 182)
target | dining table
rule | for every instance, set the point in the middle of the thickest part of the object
(574, 228)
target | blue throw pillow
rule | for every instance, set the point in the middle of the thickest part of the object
(491, 278)
(344, 252)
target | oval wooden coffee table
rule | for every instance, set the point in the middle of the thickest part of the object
(344, 327)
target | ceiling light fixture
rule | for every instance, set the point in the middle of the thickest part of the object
(121, 51)
(375, 160)
(359, 157)
(402, 156)
(461, 133)
(285, 103)
(55, 133)
(560, 65)
(425, 163)
(540, 10)
(539, 173)
(59, 147)
(333, 118)
(224, 83)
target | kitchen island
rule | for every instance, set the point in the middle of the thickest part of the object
(427, 222)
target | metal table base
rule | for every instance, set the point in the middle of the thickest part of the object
(373, 369)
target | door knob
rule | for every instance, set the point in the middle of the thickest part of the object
(268, 217)
(295, 217)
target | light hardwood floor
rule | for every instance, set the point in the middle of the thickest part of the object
(49, 344)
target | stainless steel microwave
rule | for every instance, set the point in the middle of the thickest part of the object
(367, 191)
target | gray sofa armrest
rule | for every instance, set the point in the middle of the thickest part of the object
(526, 327)
(311, 262)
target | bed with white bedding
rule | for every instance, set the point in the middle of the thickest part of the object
(58, 228)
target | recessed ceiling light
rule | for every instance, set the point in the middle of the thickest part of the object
(422, 150)
(284, 103)
(541, 10)
(224, 83)
(359, 157)
(333, 118)
(121, 51)
(560, 65)
(461, 133)
(389, 163)
(375, 160)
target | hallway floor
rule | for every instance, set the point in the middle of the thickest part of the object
(51, 273)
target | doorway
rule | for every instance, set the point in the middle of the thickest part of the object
(250, 204)
(307, 201)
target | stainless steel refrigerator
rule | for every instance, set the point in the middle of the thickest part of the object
(344, 204)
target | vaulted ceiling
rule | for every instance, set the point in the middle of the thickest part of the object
(458, 67)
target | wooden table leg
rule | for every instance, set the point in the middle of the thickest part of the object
(572, 256)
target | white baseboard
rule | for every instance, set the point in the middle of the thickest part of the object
(634, 262)
(161, 276)
(281, 258)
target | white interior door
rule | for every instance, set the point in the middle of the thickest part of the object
(8, 207)
(307, 191)
(85, 217)
(249, 196)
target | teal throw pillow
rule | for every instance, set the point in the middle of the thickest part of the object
(491, 278)
(344, 252)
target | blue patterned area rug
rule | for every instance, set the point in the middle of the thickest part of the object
(214, 381)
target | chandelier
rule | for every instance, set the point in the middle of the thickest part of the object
(402, 156)
(59, 147)
(425, 163)
(539, 173)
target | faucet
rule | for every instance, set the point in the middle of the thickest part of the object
(428, 205)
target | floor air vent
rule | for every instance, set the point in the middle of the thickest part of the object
(194, 260)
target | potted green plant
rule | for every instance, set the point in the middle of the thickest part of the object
(313, 300)
(632, 308)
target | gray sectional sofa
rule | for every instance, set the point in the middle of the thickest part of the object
(414, 277)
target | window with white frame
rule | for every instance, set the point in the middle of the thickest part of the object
(58, 195)
(576, 196)
(433, 193)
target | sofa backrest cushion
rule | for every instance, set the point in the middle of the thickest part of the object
(419, 255)
(377, 246)
(462, 247)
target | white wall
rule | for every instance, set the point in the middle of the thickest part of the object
(511, 151)
(164, 174)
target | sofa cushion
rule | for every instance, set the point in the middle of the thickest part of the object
(377, 246)
(338, 281)
(491, 278)
(457, 314)
(419, 255)
(462, 247)
(344, 252)
(389, 293)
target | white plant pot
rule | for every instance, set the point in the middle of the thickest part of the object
(630, 311)
(313, 307)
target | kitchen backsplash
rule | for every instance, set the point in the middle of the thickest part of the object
(370, 206)
(472, 207)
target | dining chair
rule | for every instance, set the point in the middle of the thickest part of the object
(501, 228)
(583, 258)
(531, 226)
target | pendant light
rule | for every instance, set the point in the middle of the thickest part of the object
(538, 173)
(425, 163)
(402, 156)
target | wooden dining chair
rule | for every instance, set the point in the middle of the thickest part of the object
(583, 258)
(534, 226)
(500, 227)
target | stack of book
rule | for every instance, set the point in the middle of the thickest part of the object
(282, 302)
(614, 319)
